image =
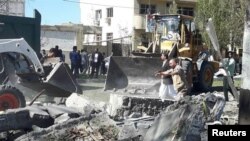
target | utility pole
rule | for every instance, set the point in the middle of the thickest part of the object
(244, 102)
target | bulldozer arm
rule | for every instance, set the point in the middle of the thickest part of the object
(26, 72)
(133, 73)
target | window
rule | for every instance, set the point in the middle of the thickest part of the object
(147, 9)
(98, 38)
(109, 36)
(185, 11)
(109, 12)
(98, 14)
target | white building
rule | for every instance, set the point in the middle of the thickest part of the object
(12, 7)
(114, 16)
(120, 18)
(65, 36)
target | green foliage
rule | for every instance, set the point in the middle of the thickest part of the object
(228, 18)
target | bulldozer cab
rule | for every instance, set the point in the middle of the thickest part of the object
(176, 31)
(173, 33)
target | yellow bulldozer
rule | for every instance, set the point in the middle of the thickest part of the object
(175, 34)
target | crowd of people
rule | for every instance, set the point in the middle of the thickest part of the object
(173, 81)
(53, 52)
(84, 63)
(81, 62)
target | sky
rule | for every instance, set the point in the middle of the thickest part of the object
(54, 12)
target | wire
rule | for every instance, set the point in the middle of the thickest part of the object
(73, 1)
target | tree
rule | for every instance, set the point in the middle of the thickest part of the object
(228, 18)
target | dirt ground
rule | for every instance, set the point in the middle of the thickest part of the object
(94, 88)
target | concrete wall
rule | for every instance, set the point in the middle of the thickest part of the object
(13, 7)
(65, 40)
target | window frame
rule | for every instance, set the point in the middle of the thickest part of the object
(185, 11)
(109, 36)
(110, 12)
(144, 9)
(98, 38)
(98, 14)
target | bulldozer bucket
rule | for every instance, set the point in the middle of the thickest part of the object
(133, 73)
(59, 82)
(62, 78)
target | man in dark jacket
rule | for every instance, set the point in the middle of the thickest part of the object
(96, 62)
(74, 58)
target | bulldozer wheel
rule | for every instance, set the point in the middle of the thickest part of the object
(11, 98)
(205, 77)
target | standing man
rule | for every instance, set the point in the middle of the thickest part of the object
(229, 64)
(166, 89)
(85, 60)
(103, 68)
(96, 62)
(74, 59)
(178, 76)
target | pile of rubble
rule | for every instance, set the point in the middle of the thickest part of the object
(98, 127)
(81, 119)
(187, 119)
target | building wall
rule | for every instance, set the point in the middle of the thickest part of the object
(126, 19)
(13, 7)
(65, 40)
(121, 23)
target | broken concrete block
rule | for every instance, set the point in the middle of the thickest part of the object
(135, 115)
(128, 131)
(15, 119)
(58, 110)
(62, 118)
(122, 105)
(78, 102)
(40, 116)
(185, 119)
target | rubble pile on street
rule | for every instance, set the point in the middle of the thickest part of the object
(82, 119)
(129, 106)
(230, 113)
(96, 127)
(187, 119)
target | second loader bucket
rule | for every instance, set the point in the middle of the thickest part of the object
(62, 78)
(60, 82)
(132, 72)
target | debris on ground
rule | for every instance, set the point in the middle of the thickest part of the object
(123, 106)
(186, 119)
(82, 119)
(82, 128)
